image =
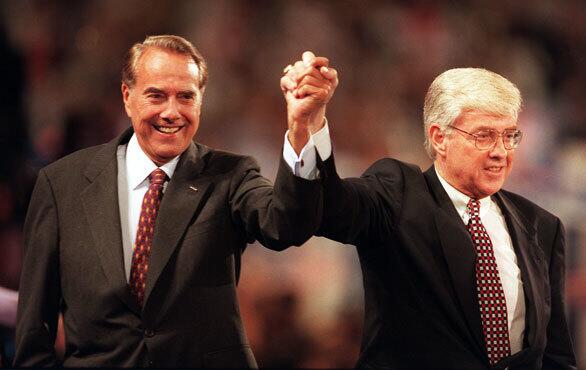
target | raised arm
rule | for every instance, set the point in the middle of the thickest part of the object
(308, 85)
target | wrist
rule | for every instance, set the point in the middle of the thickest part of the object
(298, 134)
(298, 138)
(315, 128)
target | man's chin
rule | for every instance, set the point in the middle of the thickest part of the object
(160, 157)
(490, 189)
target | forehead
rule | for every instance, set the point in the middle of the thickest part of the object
(477, 120)
(159, 65)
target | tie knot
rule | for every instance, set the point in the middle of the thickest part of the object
(473, 207)
(158, 177)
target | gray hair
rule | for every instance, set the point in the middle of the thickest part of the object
(464, 89)
(172, 43)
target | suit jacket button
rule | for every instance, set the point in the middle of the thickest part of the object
(149, 333)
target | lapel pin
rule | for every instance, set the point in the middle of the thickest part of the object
(192, 188)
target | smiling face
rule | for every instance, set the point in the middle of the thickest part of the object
(476, 173)
(164, 104)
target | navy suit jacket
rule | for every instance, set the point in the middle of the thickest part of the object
(418, 266)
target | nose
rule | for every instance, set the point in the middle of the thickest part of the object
(171, 112)
(499, 150)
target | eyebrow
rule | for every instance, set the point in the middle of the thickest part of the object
(188, 93)
(153, 90)
(485, 128)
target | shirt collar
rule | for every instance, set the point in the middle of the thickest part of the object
(139, 166)
(460, 200)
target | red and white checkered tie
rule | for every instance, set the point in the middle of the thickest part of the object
(144, 234)
(491, 296)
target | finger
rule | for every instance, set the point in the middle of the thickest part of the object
(287, 83)
(319, 62)
(299, 66)
(308, 71)
(308, 58)
(315, 92)
(330, 73)
(298, 69)
(292, 70)
(313, 81)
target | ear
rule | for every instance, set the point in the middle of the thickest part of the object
(437, 138)
(126, 98)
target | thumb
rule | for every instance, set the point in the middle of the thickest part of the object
(308, 57)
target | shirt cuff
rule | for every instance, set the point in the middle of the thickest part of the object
(323, 142)
(304, 165)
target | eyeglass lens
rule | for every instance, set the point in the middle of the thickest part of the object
(486, 139)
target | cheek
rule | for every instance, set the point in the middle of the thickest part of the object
(149, 111)
(192, 130)
(468, 162)
(143, 110)
(509, 164)
(476, 165)
(193, 117)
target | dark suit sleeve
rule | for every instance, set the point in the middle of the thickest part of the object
(362, 208)
(39, 292)
(278, 216)
(559, 353)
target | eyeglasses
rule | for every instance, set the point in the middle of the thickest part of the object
(486, 139)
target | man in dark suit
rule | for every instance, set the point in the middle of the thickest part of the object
(137, 242)
(458, 273)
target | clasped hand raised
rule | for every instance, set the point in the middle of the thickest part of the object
(308, 86)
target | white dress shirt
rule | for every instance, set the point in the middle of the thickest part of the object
(492, 219)
(494, 222)
(134, 168)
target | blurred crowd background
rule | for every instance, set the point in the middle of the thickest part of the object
(60, 69)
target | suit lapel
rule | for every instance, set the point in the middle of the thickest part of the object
(101, 207)
(183, 199)
(530, 262)
(460, 256)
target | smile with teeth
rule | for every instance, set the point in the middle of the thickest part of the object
(494, 168)
(167, 130)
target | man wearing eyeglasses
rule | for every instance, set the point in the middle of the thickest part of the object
(458, 273)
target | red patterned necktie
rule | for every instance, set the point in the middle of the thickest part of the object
(491, 296)
(144, 234)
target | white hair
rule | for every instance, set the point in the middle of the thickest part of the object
(460, 90)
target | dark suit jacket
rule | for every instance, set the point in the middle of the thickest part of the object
(418, 266)
(73, 261)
